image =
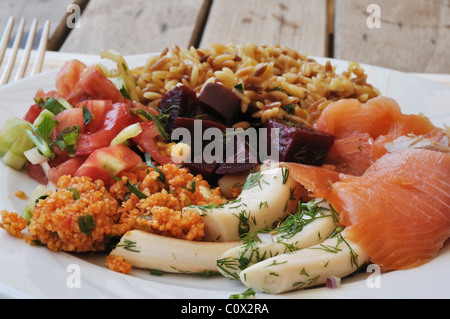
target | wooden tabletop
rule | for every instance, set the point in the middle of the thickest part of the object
(411, 36)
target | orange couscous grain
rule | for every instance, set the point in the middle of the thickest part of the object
(56, 218)
(12, 223)
(118, 264)
(167, 193)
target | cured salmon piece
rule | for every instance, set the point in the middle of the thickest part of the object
(362, 130)
(316, 180)
(398, 211)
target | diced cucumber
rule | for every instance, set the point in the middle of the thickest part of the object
(127, 133)
(44, 113)
(13, 128)
(64, 103)
(15, 156)
(28, 211)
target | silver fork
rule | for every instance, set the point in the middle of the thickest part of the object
(37, 66)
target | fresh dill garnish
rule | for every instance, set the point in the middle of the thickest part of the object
(128, 245)
(253, 180)
(285, 173)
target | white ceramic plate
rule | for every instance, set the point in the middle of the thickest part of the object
(37, 272)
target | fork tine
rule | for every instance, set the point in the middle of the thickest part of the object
(27, 51)
(41, 50)
(5, 37)
(12, 57)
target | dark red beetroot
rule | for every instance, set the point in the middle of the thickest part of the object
(198, 164)
(181, 101)
(220, 101)
(242, 161)
(299, 143)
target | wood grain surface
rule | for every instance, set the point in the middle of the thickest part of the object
(134, 27)
(413, 36)
(299, 24)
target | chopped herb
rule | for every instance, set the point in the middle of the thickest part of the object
(289, 108)
(66, 140)
(75, 193)
(252, 180)
(239, 87)
(53, 106)
(149, 162)
(40, 135)
(248, 294)
(156, 272)
(285, 173)
(128, 245)
(158, 120)
(87, 115)
(125, 93)
(135, 190)
(86, 223)
(192, 187)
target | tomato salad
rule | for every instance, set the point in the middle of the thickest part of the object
(89, 126)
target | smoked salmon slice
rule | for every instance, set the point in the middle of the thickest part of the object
(362, 130)
(398, 211)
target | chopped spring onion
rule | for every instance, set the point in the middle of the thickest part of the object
(123, 77)
(75, 193)
(64, 103)
(127, 133)
(34, 157)
(87, 223)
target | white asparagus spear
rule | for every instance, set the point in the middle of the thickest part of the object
(336, 256)
(266, 198)
(311, 226)
(156, 252)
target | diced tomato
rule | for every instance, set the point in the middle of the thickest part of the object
(98, 109)
(116, 119)
(68, 167)
(66, 118)
(93, 85)
(36, 172)
(40, 94)
(32, 113)
(69, 76)
(147, 143)
(107, 161)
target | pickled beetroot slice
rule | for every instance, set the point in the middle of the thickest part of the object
(242, 161)
(299, 143)
(220, 101)
(201, 165)
(180, 101)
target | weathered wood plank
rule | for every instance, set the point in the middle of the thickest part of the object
(52, 10)
(134, 27)
(298, 24)
(413, 36)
